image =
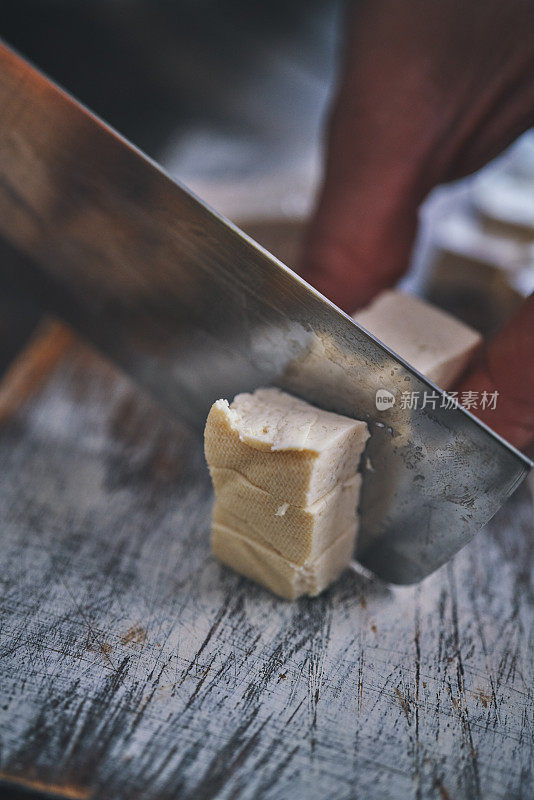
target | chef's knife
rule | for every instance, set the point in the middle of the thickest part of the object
(195, 310)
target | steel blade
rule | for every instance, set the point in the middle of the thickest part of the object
(195, 310)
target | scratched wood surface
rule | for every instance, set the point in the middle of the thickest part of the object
(132, 665)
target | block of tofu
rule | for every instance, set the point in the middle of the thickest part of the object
(283, 577)
(435, 343)
(281, 444)
(298, 533)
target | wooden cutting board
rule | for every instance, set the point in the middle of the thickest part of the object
(132, 665)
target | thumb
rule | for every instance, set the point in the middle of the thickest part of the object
(355, 248)
(506, 368)
(361, 235)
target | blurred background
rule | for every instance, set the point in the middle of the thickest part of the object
(231, 98)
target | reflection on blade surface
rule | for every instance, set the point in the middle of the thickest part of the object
(195, 311)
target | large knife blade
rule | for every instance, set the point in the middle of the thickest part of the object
(196, 310)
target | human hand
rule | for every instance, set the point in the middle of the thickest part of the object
(430, 91)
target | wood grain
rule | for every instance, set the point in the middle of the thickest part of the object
(47, 345)
(132, 665)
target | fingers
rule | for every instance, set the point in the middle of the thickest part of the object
(507, 367)
(362, 233)
(352, 263)
(429, 92)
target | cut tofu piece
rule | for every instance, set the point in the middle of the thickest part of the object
(298, 533)
(435, 343)
(286, 579)
(294, 451)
